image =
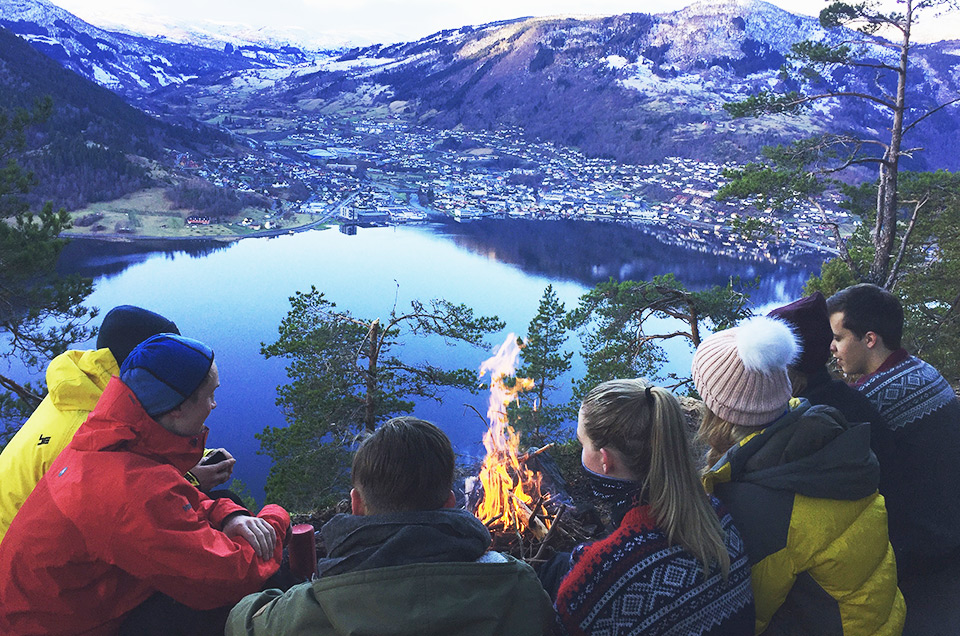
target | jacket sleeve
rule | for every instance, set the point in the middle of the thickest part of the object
(217, 510)
(167, 541)
(274, 613)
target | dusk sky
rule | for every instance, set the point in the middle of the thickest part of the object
(366, 21)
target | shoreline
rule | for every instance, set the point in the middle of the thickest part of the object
(218, 238)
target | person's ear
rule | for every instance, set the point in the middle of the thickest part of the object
(608, 462)
(871, 339)
(356, 503)
(451, 501)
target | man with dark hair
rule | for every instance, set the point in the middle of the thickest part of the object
(75, 381)
(922, 416)
(406, 561)
(113, 525)
(867, 308)
(406, 465)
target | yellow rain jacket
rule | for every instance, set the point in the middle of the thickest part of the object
(803, 492)
(75, 381)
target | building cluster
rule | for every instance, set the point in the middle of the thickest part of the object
(387, 171)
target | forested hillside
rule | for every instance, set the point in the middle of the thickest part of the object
(94, 146)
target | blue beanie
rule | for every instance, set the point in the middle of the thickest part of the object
(164, 370)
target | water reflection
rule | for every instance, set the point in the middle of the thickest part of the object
(589, 253)
(96, 258)
(576, 251)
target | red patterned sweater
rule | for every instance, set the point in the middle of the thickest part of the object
(634, 582)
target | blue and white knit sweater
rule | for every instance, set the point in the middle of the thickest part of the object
(634, 582)
(918, 454)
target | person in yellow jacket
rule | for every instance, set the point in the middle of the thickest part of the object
(801, 485)
(75, 381)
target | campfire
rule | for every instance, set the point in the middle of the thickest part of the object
(507, 492)
(511, 491)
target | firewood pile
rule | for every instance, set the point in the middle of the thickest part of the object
(552, 528)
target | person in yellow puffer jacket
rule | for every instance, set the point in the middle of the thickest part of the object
(75, 381)
(801, 485)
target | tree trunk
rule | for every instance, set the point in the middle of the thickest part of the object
(885, 231)
(370, 404)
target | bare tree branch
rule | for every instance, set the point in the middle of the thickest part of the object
(895, 268)
(20, 391)
(930, 112)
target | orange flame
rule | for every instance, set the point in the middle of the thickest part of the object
(509, 487)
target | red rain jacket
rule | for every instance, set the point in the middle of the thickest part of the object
(114, 521)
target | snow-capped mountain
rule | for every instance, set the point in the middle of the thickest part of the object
(126, 63)
(216, 35)
(636, 87)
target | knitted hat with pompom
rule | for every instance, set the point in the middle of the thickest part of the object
(741, 373)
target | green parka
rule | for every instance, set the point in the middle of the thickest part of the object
(416, 573)
(426, 599)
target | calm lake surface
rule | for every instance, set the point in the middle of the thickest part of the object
(233, 298)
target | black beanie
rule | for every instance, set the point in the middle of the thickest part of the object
(126, 326)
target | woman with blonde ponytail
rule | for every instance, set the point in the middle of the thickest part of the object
(675, 564)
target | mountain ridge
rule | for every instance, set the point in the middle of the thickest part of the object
(128, 64)
(633, 87)
(95, 146)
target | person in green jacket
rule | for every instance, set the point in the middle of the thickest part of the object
(75, 381)
(801, 484)
(406, 561)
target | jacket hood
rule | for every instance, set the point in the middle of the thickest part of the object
(436, 599)
(75, 379)
(377, 541)
(119, 423)
(810, 450)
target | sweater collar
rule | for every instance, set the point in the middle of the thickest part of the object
(892, 360)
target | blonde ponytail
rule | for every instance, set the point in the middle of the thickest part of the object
(645, 424)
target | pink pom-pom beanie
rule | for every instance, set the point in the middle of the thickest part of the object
(741, 373)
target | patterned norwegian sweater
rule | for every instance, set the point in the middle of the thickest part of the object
(634, 582)
(918, 459)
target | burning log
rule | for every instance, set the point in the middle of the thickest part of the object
(529, 454)
(533, 524)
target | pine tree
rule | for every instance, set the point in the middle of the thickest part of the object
(41, 312)
(544, 362)
(347, 375)
(621, 335)
(801, 171)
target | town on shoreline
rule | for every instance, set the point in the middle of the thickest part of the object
(384, 172)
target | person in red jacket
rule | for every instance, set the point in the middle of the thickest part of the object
(114, 523)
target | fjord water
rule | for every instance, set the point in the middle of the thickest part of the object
(234, 296)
